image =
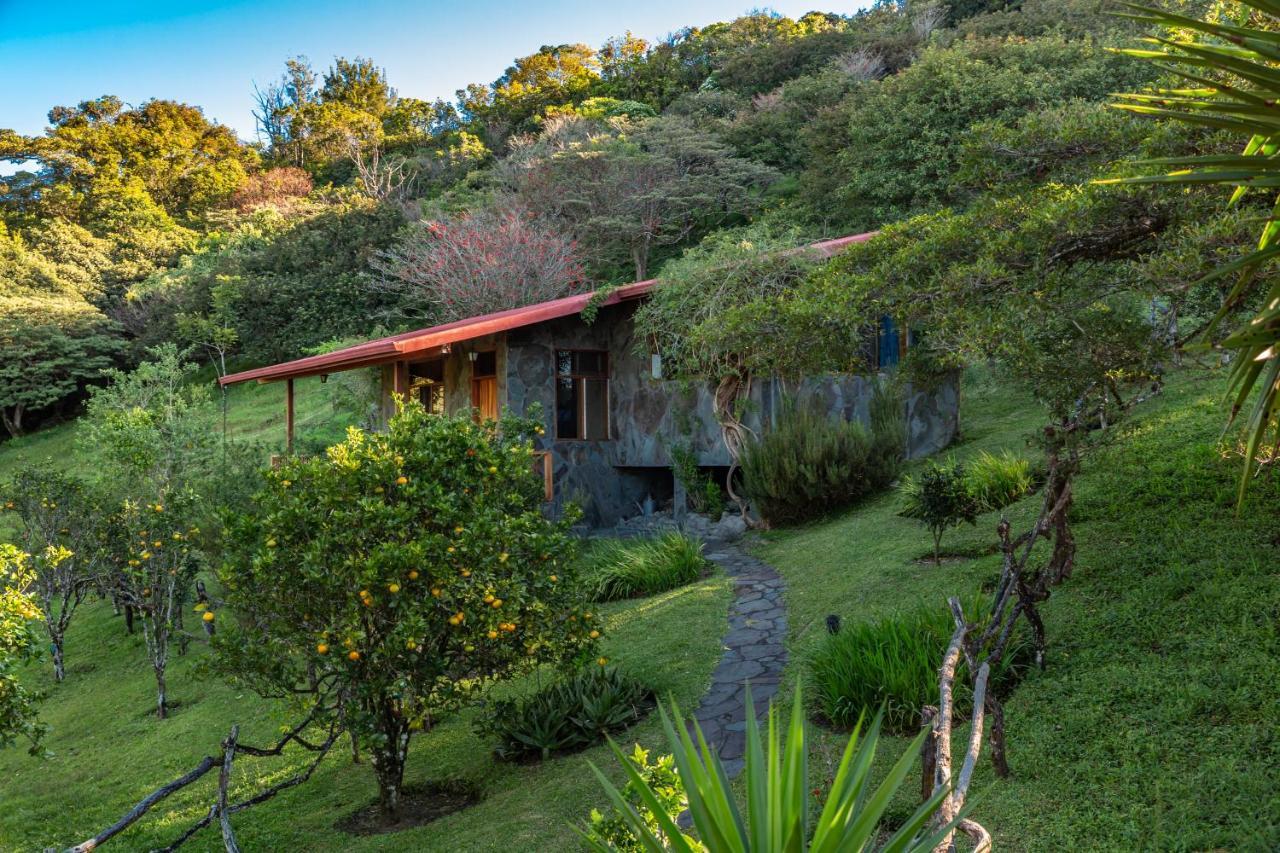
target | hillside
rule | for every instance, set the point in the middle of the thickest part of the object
(1151, 726)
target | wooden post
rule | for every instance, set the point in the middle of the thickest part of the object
(288, 416)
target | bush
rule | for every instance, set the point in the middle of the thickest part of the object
(662, 780)
(701, 490)
(568, 715)
(939, 497)
(894, 662)
(997, 481)
(809, 464)
(629, 568)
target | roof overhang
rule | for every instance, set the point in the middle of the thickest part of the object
(436, 340)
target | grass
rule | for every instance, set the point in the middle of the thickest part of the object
(1153, 726)
(109, 751)
(615, 569)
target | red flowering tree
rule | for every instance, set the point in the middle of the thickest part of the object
(485, 261)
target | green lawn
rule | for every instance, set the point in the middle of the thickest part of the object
(110, 751)
(1154, 725)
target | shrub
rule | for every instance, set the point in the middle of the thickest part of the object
(18, 644)
(939, 498)
(630, 568)
(659, 778)
(893, 663)
(997, 481)
(567, 715)
(810, 464)
(702, 491)
(389, 581)
(778, 813)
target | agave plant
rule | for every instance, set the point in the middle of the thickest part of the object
(1234, 85)
(776, 817)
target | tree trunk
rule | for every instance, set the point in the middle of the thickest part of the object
(59, 672)
(162, 695)
(13, 422)
(388, 767)
(388, 761)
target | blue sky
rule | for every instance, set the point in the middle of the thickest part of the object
(210, 53)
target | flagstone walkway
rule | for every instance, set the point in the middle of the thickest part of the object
(755, 653)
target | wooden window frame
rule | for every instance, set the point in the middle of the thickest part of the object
(581, 413)
(542, 466)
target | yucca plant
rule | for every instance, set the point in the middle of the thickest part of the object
(1234, 79)
(777, 809)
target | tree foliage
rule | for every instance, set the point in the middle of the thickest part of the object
(18, 643)
(398, 574)
(487, 261)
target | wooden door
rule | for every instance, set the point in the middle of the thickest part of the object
(484, 397)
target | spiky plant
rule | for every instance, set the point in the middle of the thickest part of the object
(1233, 76)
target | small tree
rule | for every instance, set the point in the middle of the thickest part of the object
(486, 261)
(154, 430)
(18, 643)
(393, 577)
(151, 547)
(60, 529)
(939, 497)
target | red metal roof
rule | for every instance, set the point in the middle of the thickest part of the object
(431, 341)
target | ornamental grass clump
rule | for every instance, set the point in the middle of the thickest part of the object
(996, 481)
(892, 663)
(810, 464)
(617, 569)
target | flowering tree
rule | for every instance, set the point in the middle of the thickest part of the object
(17, 643)
(485, 261)
(392, 578)
(60, 530)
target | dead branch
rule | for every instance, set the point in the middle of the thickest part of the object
(206, 764)
(220, 809)
(224, 778)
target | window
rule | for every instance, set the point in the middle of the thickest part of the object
(892, 342)
(426, 382)
(582, 395)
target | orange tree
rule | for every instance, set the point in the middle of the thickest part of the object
(391, 579)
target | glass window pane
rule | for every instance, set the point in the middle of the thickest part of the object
(564, 362)
(567, 407)
(595, 409)
(486, 364)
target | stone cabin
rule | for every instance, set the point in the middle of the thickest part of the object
(610, 417)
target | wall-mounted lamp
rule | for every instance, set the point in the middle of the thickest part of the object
(472, 356)
(446, 349)
(324, 377)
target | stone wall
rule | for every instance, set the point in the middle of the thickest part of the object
(647, 416)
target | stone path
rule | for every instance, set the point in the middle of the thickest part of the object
(755, 652)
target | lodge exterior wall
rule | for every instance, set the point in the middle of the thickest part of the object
(647, 417)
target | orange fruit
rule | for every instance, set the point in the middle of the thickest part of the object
(353, 655)
(322, 648)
